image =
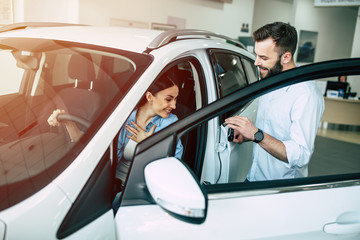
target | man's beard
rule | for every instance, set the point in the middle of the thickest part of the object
(277, 68)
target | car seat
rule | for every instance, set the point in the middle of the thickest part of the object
(79, 100)
(186, 104)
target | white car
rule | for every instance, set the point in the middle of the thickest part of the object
(55, 188)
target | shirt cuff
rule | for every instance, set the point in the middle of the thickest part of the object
(292, 152)
(297, 155)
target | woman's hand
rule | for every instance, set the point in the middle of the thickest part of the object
(72, 129)
(137, 133)
(52, 120)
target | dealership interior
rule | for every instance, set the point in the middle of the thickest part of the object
(331, 29)
(164, 119)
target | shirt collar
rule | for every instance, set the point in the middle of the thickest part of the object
(157, 120)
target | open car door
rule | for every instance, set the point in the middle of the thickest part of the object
(315, 207)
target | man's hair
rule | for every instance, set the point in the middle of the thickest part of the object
(283, 34)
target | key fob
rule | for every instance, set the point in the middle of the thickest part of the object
(230, 135)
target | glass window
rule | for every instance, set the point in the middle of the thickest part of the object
(229, 73)
(323, 142)
(40, 76)
(11, 72)
(252, 74)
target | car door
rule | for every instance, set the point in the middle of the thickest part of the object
(232, 72)
(316, 207)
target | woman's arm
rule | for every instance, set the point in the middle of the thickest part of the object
(71, 127)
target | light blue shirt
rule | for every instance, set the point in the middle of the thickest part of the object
(292, 115)
(160, 123)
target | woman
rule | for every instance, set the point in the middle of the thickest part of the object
(152, 115)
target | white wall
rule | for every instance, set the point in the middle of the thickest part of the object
(224, 18)
(355, 80)
(356, 46)
(18, 9)
(268, 11)
(335, 27)
(210, 15)
(66, 11)
(338, 27)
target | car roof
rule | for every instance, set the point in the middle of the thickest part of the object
(130, 39)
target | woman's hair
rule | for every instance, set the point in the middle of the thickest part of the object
(283, 34)
(164, 82)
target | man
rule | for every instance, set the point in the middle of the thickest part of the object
(287, 119)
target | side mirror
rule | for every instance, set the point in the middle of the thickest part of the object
(175, 189)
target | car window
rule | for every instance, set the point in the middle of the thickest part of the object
(328, 146)
(81, 81)
(229, 72)
(251, 71)
(338, 137)
(13, 72)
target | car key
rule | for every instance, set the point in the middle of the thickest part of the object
(230, 135)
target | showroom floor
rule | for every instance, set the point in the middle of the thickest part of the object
(337, 151)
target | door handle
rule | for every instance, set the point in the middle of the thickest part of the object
(346, 223)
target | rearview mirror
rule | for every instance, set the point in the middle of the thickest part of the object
(27, 62)
(175, 189)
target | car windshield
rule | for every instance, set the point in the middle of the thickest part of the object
(39, 76)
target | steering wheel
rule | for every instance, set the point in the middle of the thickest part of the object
(74, 118)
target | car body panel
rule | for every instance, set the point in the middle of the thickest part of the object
(101, 228)
(2, 230)
(264, 214)
(24, 215)
(282, 214)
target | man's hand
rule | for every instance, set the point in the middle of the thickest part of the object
(246, 131)
(244, 128)
(238, 138)
(137, 133)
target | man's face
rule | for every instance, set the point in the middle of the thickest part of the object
(268, 58)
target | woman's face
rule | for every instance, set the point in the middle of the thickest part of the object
(164, 102)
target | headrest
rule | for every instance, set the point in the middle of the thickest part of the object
(81, 67)
(183, 75)
(180, 75)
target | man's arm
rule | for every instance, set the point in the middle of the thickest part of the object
(245, 131)
(275, 147)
